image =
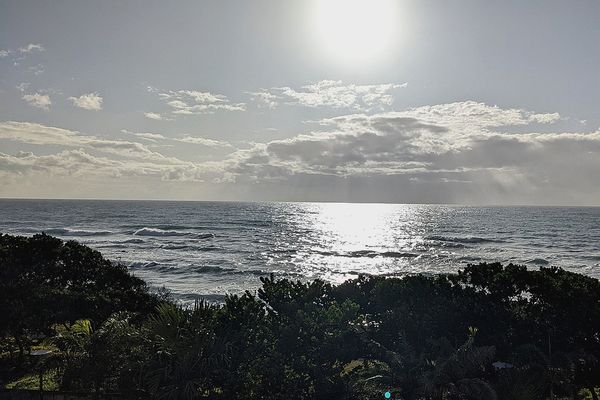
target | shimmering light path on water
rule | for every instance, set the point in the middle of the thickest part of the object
(206, 249)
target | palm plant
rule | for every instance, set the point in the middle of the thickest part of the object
(461, 376)
(188, 357)
(72, 342)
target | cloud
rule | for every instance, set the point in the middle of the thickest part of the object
(193, 102)
(38, 134)
(264, 98)
(30, 48)
(38, 100)
(23, 86)
(89, 155)
(464, 151)
(476, 115)
(37, 69)
(67, 162)
(364, 150)
(88, 101)
(203, 141)
(151, 137)
(329, 93)
(405, 141)
(79, 163)
(155, 137)
(456, 152)
(155, 116)
(22, 53)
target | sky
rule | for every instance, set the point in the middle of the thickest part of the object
(402, 101)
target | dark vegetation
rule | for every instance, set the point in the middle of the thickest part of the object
(487, 332)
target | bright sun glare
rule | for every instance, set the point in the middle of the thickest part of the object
(356, 31)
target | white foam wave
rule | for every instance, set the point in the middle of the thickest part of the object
(158, 232)
(147, 231)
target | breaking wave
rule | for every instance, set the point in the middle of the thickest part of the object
(146, 231)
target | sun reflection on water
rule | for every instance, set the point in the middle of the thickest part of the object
(343, 240)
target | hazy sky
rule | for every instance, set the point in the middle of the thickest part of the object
(483, 102)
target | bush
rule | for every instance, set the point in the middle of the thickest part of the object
(489, 331)
(45, 281)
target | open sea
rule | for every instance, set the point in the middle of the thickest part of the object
(208, 249)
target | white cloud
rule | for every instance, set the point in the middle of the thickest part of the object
(193, 102)
(203, 141)
(38, 100)
(333, 94)
(31, 48)
(151, 137)
(476, 115)
(23, 86)
(450, 151)
(27, 132)
(114, 158)
(36, 69)
(154, 116)
(22, 53)
(88, 101)
(465, 151)
(264, 98)
(79, 163)
(155, 137)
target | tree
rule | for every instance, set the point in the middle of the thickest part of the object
(45, 281)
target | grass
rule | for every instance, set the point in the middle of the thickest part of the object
(24, 376)
(32, 381)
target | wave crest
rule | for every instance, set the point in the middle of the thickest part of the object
(147, 231)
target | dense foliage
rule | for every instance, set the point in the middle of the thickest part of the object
(487, 332)
(45, 281)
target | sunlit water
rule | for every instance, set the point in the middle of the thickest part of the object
(207, 249)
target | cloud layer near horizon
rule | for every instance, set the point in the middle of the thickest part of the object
(455, 152)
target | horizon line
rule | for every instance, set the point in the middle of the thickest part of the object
(307, 201)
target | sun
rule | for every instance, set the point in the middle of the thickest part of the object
(356, 31)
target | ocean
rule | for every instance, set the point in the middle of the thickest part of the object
(207, 249)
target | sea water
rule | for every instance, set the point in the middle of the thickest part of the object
(207, 249)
